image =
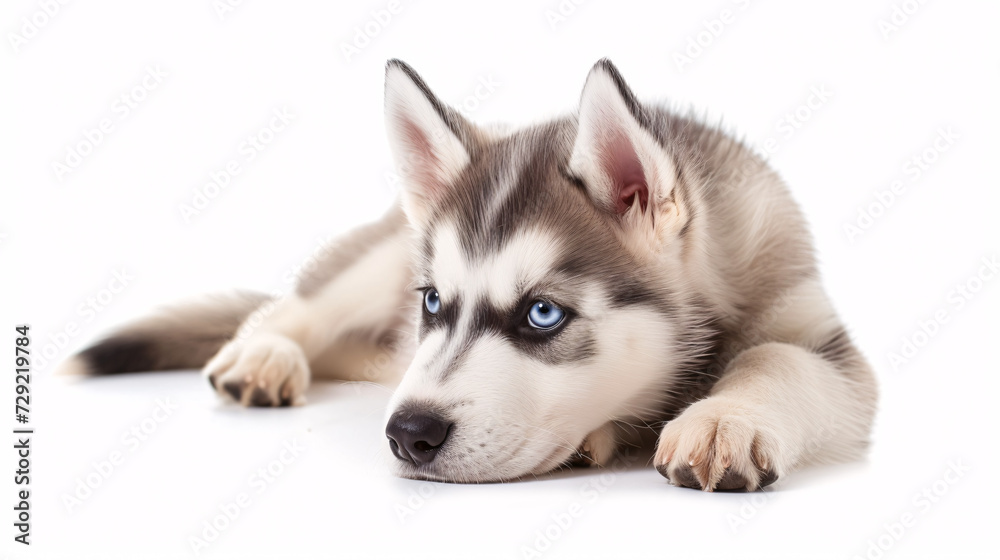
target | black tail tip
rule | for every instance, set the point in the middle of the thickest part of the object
(114, 355)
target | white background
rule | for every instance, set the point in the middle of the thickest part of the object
(62, 238)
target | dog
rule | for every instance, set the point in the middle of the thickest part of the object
(537, 291)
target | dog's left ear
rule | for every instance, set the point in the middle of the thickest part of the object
(625, 169)
(431, 143)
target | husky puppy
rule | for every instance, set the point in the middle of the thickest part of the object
(556, 283)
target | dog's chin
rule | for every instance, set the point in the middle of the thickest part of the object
(558, 457)
(421, 473)
(436, 473)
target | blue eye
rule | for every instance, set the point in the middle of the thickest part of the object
(432, 301)
(544, 315)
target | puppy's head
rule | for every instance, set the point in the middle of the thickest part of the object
(545, 310)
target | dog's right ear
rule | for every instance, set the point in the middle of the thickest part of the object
(429, 141)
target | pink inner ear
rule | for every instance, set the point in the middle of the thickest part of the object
(628, 180)
(628, 194)
(422, 163)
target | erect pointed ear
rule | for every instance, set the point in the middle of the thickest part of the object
(430, 142)
(625, 169)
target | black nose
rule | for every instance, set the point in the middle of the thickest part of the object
(415, 436)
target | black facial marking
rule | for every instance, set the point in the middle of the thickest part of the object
(446, 317)
(632, 292)
(550, 346)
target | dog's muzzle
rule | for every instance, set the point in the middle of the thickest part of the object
(416, 436)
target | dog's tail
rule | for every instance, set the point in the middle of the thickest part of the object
(181, 336)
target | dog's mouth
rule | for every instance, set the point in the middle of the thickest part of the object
(443, 470)
(429, 443)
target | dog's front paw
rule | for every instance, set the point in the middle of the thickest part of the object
(718, 445)
(264, 370)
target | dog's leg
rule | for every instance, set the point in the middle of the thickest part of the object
(776, 406)
(359, 286)
(602, 446)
